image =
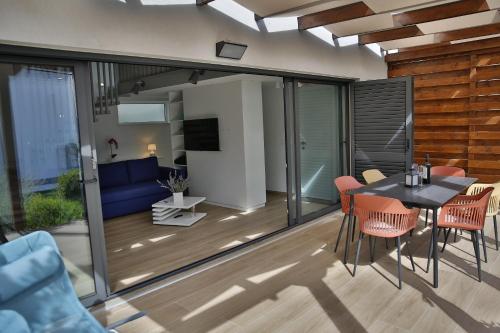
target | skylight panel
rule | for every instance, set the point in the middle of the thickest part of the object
(275, 24)
(322, 34)
(348, 40)
(375, 48)
(167, 2)
(236, 12)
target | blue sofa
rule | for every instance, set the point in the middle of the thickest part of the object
(131, 186)
(36, 294)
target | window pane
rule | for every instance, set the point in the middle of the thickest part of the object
(40, 168)
(141, 113)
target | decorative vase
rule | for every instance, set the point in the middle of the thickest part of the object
(178, 197)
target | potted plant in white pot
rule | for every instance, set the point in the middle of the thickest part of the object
(176, 185)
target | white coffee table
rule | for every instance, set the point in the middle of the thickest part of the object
(168, 212)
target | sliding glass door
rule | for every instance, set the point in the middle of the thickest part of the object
(318, 153)
(46, 173)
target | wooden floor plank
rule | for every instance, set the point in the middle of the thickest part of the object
(298, 284)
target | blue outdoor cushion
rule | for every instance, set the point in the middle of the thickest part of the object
(13, 322)
(113, 174)
(132, 191)
(143, 170)
(23, 274)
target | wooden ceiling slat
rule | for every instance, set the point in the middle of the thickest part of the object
(390, 34)
(445, 49)
(335, 15)
(482, 30)
(422, 47)
(440, 12)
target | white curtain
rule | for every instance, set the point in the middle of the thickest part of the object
(43, 106)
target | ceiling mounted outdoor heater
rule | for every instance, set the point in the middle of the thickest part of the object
(230, 50)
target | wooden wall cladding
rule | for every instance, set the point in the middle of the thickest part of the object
(457, 110)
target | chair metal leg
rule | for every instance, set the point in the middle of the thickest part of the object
(361, 236)
(496, 230)
(429, 254)
(426, 216)
(484, 246)
(475, 241)
(409, 253)
(340, 232)
(398, 242)
(455, 237)
(370, 244)
(353, 228)
(446, 235)
(386, 244)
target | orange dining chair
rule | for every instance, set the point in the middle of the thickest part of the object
(465, 212)
(386, 218)
(444, 170)
(346, 183)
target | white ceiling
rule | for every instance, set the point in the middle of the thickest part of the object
(288, 10)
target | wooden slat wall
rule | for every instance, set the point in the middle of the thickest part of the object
(457, 110)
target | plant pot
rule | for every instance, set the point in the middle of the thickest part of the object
(178, 197)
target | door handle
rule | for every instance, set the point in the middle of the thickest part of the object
(89, 181)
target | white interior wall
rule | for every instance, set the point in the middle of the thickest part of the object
(274, 136)
(174, 32)
(253, 131)
(224, 176)
(132, 139)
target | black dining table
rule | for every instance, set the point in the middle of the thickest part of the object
(429, 196)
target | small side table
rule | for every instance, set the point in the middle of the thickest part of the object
(168, 212)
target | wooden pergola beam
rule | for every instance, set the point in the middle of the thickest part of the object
(440, 12)
(390, 34)
(482, 44)
(479, 31)
(335, 15)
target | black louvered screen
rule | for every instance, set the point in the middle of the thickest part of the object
(382, 125)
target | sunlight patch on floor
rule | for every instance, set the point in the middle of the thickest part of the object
(259, 278)
(257, 235)
(136, 245)
(231, 244)
(229, 218)
(231, 292)
(247, 212)
(157, 239)
(318, 251)
(136, 278)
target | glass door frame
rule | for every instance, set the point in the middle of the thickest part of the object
(293, 154)
(92, 194)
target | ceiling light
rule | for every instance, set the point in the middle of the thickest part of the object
(230, 50)
(236, 12)
(323, 34)
(275, 24)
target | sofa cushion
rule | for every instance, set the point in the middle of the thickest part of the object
(132, 191)
(113, 174)
(143, 170)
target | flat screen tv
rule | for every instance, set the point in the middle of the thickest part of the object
(201, 134)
